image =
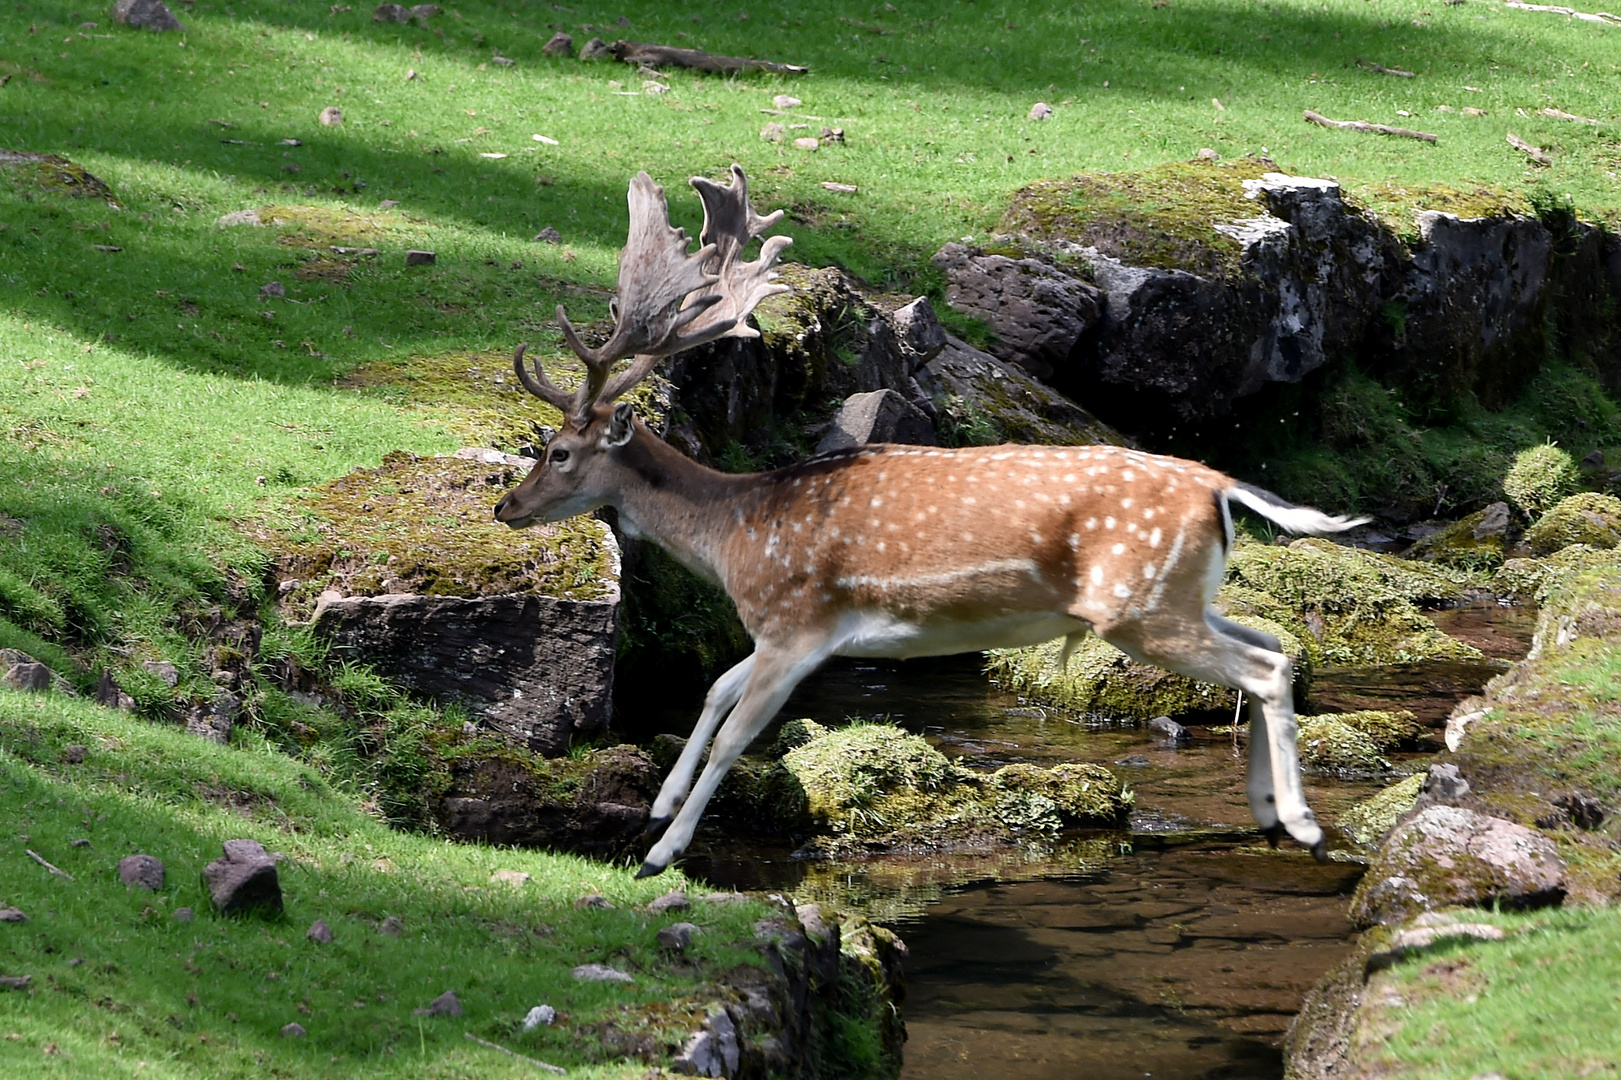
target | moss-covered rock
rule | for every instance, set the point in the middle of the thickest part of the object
(1361, 606)
(54, 173)
(1471, 544)
(1536, 578)
(1102, 681)
(1388, 729)
(873, 787)
(1328, 744)
(1539, 478)
(1369, 821)
(1586, 518)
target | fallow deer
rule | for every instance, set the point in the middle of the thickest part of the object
(895, 551)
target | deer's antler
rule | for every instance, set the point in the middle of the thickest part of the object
(669, 299)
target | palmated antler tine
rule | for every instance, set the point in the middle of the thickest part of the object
(538, 384)
(731, 223)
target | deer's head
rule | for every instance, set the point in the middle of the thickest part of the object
(669, 299)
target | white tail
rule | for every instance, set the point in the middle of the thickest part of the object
(894, 550)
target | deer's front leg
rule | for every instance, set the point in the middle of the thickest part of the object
(773, 676)
(721, 697)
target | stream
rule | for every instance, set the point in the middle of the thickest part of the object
(1179, 948)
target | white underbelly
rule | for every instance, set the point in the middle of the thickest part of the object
(871, 633)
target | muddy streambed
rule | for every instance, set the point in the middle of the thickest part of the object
(1177, 949)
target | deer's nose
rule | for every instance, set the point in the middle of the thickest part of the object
(501, 506)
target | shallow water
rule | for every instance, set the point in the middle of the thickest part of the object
(1179, 948)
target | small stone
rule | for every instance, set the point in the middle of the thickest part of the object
(1168, 732)
(724, 898)
(548, 235)
(593, 900)
(391, 926)
(244, 879)
(319, 932)
(29, 675)
(74, 755)
(419, 258)
(273, 290)
(80, 843)
(784, 101)
(184, 914)
(807, 144)
(1594, 460)
(12, 915)
(677, 936)
(1134, 761)
(596, 49)
(331, 116)
(540, 1014)
(388, 204)
(443, 1005)
(509, 877)
(675, 900)
(15, 982)
(294, 1030)
(391, 13)
(166, 672)
(832, 135)
(142, 870)
(1207, 154)
(110, 695)
(559, 44)
(1470, 110)
(502, 61)
(1494, 521)
(239, 217)
(146, 15)
(842, 189)
(424, 12)
(773, 132)
(601, 973)
(1041, 111)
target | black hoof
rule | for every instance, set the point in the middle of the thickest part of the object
(649, 870)
(655, 826)
(1273, 833)
(1319, 851)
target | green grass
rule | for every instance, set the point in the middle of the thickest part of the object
(121, 989)
(1545, 1003)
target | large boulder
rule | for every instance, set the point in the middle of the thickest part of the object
(1038, 312)
(878, 416)
(1587, 518)
(1447, 855)
(979, 400)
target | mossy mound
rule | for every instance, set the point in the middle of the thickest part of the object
(53, 173)
(1370, 820)
(1539, 478)
(1588, 518)
(1388, 729)
(1328, 744)
(1361, 606)
(1102, 681)
(1163, 217)
(1398, 205)
(1463, 545)
(873, 787)
(1537, 578)
(422, 525)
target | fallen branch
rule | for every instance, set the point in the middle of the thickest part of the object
(1559, 115)
(513, 1053)
(1598, 16)
(634, 52)
(37, 857)
(1381, 69)
(1362, 125)
(1526, 148)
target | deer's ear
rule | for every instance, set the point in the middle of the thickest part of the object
(621, 426)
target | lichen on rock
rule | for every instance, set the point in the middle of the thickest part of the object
(1474, 543)
(1369, 821)
(1102, 681)
(1328, 744)
(1587, 518)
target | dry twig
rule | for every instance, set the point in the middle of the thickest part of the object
(536, 1062)
(1534, 153)
(58, 871)
(1560, 115)
(655, 56)
(1362, 125)
(1382, 70)
(1598, 16)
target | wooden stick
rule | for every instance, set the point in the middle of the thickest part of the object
(1362, 125)
(37, 857)
(1560, 115)
(1381, 69)
(648, 55)
(1599, 16)
(1533, 152)
(513, 1053)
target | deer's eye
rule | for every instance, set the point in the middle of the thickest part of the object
(559, 456)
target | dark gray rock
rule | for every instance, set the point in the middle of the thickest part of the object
(918, 333)
(443, 1005)
(392, 926)
(294, 1030)
(713, 1050)
(677, 936)
(881, 416)
(559, 44)
(1167, 731)
(1446, 855)
(419, 258)
(1037, 311)
(244, 880)
(15, 982)
(146, 15)
(142, 870)
(166, 672)
(1495, 521)
(28, 675)
(319, 932)
(548, 235)
(391, 13)
(213, 720)
(596, 49)
(12, 915)
(75, 754)
(676, 900)
(184, 914)
(536, 670)
(979, 399)
(111, 695)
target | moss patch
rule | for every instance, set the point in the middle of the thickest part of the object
(1588, 518)
(1369, 820)
(1458, 546)
(1162, 217)
(474, 394)
(1398, 205)
(1103, 682)
(1328, 744)
(423, 525)
(1387, 729)
(52, 173)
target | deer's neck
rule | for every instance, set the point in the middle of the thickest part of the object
(679, 504)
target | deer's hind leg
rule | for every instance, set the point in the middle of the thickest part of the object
(1258, 779)
(1205, 648)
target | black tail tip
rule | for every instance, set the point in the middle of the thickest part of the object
(649, 870)
(1319, 851)
(656, 826)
